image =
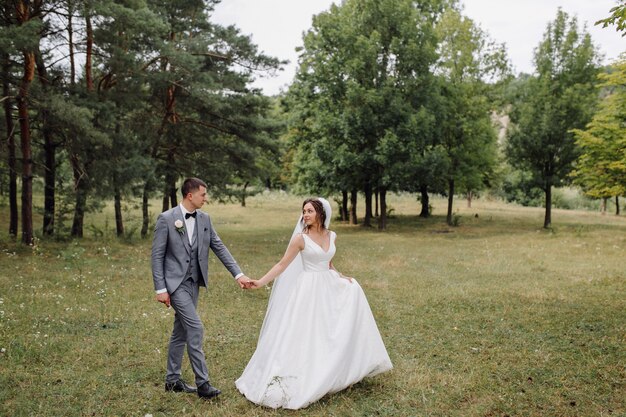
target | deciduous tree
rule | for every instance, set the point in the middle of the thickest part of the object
(601, 167)
(559, 98)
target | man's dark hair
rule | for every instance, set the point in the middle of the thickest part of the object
(192, 184)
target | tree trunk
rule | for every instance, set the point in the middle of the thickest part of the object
(81, 175)
(603, 205)
(353, 196)
(88, 51)
(12, 161)
(144, 212)
(166, 200)
(470, 195)
(424, 200)
(169, 195)
(243, 194)
(25, 142)
(170, 181)
(450, 201)
(376, 203)
(50, 183)
(173, 200)
(70, 40)
(119, 222)
(382, 220)
(80, 188)
(367, 220)
(344, 206)
(548, 217)
(617, 205)
(79, 213)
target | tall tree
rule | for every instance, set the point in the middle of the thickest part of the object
(363, 75)
(601, 168)
(561, 97)
(123, 40)
(208, 117)
(7, 43)
(28, 16)
(50, 145)
(82, 152)
(468, 61)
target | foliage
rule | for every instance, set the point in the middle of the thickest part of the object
(601, 167)
(207, 122)
(518, 186)
(135, 94)
(468, 59)
(362, 104)
(617, 18)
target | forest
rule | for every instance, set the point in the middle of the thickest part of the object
(114, 100)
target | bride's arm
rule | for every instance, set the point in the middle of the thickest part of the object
(295, 246)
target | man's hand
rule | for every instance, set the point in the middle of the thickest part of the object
(244, 282)
(164, 298)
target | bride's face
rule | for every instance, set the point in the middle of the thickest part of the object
(309, 215)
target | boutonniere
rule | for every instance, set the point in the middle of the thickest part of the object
(178, 224)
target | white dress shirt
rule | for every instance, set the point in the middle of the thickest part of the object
(190, 223)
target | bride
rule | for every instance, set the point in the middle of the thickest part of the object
(319, 335)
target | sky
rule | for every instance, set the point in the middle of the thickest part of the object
(277, 26)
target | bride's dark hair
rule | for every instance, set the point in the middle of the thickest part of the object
(320, 213)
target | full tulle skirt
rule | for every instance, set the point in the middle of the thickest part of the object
(322, 340)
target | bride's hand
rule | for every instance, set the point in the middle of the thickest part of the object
(254, 284)
(345, 277)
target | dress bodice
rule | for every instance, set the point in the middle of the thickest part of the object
(314, 258)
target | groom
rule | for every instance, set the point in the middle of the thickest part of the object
(180, 253)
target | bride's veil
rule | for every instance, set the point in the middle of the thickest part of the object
(285, 283)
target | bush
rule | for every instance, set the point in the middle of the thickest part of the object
(570, 198)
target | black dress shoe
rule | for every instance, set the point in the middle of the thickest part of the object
(179, 386)
(207, 391)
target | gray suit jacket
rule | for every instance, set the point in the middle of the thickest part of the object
(171, 249)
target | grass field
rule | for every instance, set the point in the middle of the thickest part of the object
(495, 317)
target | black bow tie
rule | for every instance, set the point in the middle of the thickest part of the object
(188, 215)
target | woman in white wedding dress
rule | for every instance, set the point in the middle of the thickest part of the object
(319, 335)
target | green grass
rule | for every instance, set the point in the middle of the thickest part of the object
(495, 317)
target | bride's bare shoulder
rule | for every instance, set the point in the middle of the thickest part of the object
(298, 238)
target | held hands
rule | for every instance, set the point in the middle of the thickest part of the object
(246, 283)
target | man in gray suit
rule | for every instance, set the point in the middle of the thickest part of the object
(180, 254)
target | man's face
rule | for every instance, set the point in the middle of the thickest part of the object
(198, 197)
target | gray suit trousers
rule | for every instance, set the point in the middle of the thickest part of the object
(188, 330)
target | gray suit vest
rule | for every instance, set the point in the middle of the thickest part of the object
(193, 270)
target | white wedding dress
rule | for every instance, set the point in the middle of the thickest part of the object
(319, 337)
